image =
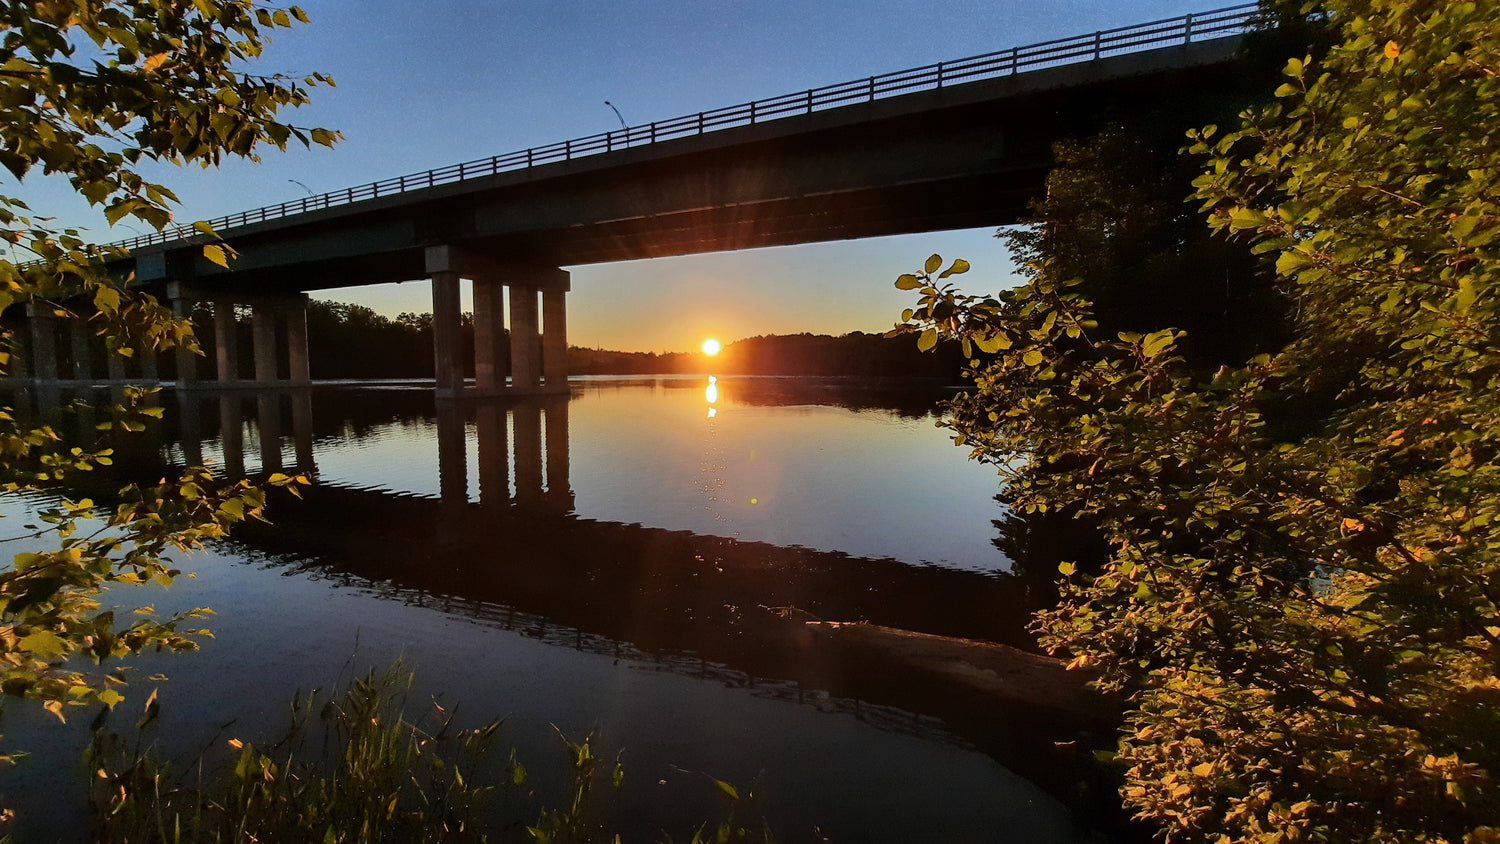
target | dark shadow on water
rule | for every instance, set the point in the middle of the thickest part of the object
(695, 605)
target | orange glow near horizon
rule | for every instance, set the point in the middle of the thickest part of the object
(711, 347)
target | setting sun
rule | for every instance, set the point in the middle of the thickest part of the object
(711, 347)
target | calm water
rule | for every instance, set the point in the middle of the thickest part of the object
(599, 562)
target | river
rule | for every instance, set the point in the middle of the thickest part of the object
(601, 562)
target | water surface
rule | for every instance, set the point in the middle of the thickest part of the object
(600, 562)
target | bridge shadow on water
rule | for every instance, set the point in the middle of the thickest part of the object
(511, 552)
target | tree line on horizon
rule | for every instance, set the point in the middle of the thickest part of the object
(347, 341)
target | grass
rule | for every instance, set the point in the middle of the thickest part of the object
(355, 768)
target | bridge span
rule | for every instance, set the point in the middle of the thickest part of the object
(958, 144)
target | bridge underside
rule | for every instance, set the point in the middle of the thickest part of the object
(968, 156)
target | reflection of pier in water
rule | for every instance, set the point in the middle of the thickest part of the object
(538, 425)
(517, 557)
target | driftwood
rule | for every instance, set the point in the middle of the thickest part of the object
(995, 671)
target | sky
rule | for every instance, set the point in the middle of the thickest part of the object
(428, 83)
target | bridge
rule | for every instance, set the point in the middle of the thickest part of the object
(957, 144)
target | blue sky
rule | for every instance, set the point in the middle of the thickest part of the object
(426, 83)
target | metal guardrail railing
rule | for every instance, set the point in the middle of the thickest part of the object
(1184, 29)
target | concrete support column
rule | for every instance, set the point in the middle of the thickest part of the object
(528, 422)
(187, 362)
(446, 347)
(489, 334)
(555, 338)
(263, 330)
(226, 343)
(148, 364)
(19, 356)
(43, 344)
(78, 330)
(523, 338)
(296, 342)
(115, 364)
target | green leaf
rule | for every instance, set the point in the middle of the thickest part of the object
(927, 340)
(43, 643)
(934, 261)
(110, 697)
(1156, 342)
(1032, 357)
(959, 266)
(734, 793)
(1292, 260)
(214, 252)
(1466, 295)
(994, 342)
(907, 281)
(106, 299)
(1246, 218)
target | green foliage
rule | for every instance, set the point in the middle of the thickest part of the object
(356, 769)
(1300, 592)
(385, 779)
(89, 90)
(1115, 220)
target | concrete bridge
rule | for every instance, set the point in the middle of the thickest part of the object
(953, 145)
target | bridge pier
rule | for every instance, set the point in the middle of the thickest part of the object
(538, 337)
(226, 343)
(43, 342)
(490, 363)
(524, 337)
(266, 314)
(63, 351)
(79, 335)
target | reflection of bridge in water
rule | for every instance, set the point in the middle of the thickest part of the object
(516, 556)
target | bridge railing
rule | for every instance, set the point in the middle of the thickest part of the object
(1184, 29)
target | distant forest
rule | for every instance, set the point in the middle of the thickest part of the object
(354, 342)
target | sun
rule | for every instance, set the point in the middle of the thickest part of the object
(711, 347)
